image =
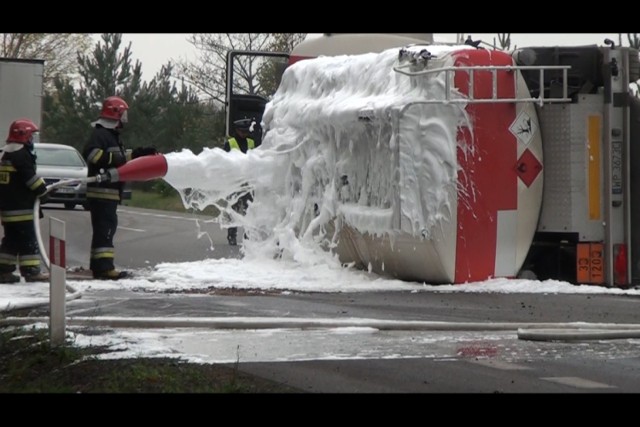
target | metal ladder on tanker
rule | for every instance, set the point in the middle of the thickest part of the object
(493, 69)
(617, 247)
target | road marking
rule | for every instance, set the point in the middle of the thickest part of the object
(499, 364)
(577, 382)
(165, 216)
(132, 229)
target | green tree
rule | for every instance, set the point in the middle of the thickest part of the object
(70, 108)
(59, 51)
(107, 71)
(270, 73)
(66, 114)
(285, 42)
(174, 117)
(164, 112)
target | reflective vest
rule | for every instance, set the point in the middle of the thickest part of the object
(233, 144)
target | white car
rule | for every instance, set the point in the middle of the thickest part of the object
(56, 162)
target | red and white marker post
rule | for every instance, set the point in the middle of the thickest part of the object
(58, 282)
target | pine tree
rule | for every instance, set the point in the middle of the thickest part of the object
(69, 109)
(162, 113)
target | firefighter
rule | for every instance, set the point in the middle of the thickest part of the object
(20, 185)
(105, 150)
(240, 141)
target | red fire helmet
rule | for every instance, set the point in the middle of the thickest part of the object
(21, 131)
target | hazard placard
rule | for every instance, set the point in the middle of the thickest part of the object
(590, 263)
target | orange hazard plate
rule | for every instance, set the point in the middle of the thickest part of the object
(590, 263)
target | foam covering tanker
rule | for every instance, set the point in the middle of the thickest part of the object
(544, 187)
(544, 184)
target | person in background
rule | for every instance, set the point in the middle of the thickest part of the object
(20, 186)
(105, 150)
(240, 141)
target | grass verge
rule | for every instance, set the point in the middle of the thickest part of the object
(29, 364)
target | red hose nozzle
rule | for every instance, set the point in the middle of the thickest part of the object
(143, 168)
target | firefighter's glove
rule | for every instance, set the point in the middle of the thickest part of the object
(103, 176)
(44, 198)
(143, 151)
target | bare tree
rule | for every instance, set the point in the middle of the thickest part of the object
(59, 51)
(505, 40)
(634, 40)
(208, 72)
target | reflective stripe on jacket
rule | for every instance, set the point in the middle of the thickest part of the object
(20, 185)
(104, 150)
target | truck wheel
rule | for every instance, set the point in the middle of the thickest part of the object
(69, 205)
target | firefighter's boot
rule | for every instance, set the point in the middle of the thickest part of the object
(9, 278)
(36, 277)
(111, 275)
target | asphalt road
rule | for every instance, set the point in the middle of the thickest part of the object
(364, 359)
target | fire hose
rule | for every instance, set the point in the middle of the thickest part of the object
(141, 169)
(36, 221)
(36, 213)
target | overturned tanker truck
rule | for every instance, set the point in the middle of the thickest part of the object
(544, 183)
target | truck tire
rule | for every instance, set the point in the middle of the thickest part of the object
(69, 205)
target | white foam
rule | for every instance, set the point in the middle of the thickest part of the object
(343, 136)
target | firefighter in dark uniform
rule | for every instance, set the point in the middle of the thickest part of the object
(19, 187)
(105, 150)
(240, 141)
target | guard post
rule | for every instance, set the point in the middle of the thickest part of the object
(57, 281)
